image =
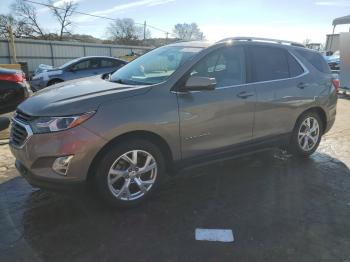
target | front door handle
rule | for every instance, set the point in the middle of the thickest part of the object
(245, 94)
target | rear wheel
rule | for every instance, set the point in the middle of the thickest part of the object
(307, 135)
(129, 172)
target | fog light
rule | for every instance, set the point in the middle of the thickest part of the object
(61, 164)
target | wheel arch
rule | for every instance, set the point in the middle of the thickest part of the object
(140, 134)
(320, 111)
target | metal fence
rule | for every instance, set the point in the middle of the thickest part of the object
(56, 53)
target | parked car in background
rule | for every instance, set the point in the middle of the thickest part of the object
(179, 105)
(14, 89)
(42, 68)
(334, 61)
(77, 68)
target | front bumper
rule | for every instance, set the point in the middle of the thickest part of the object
(35, 158)
(37, 84)
(48, 183)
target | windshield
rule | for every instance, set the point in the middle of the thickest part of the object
(155, 66)
(69, 63)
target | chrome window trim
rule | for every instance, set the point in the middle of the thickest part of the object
(306, 71)
(28, 130)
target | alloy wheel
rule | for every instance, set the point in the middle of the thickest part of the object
(132, 175)
(309, 133)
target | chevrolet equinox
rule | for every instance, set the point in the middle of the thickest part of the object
(177, 106)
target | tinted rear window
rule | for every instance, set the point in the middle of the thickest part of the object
(295, 68)
(316, 60)
(269, 63)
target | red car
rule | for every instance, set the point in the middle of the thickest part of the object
(13, 89)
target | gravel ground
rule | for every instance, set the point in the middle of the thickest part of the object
(279, 208)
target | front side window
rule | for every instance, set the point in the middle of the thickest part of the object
(95, 63)
(108, 63)
(81, 65)
(155, 66)
(226, 65)
(269, 63)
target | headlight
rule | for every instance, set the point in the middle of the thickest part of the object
(38, 76)
(55, 124)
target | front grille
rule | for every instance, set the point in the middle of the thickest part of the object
(20, 130)
(23, 117)
(18, 134)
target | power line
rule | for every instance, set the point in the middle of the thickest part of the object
(96, 16)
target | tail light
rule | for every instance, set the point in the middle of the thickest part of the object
(336, 83)
(18, 77)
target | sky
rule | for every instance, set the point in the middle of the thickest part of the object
(294, 20)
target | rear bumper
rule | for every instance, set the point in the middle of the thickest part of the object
(330, 123)
(46, 183)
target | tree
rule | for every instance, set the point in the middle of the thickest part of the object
(27, 14)
(188, 32)
(125, 31)
(63, 14)
(19, 28)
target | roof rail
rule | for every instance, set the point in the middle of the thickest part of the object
(260, 39)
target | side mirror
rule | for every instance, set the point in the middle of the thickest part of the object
(199, 83)
(107, 76)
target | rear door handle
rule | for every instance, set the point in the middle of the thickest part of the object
(244, 94)
(302, 85)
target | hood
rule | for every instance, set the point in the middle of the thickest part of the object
(77, 96)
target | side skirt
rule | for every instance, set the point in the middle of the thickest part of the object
(233, 152)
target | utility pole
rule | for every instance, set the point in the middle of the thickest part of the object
(12, 45)
(144, 31)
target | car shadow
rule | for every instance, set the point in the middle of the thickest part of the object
(271, 201)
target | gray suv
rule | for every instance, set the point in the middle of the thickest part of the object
(179, 105)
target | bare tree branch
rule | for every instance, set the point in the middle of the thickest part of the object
(124, 31)
(28, 15)
(188, 32)
(19, 27)
(63, 15)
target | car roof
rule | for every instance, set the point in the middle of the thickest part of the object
(243, 40)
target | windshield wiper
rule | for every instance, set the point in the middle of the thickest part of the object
(131, 82)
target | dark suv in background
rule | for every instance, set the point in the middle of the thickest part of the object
(176, 106)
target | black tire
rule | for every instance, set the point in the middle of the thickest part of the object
(54, 81)
(115, 152)
(294, 147)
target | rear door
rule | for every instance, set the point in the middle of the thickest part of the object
(85, 68)
(214, 120)
(281, 87)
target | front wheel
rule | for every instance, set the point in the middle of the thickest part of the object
(129, 172)
(307, 135)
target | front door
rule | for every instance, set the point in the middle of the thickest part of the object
(214, 120)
